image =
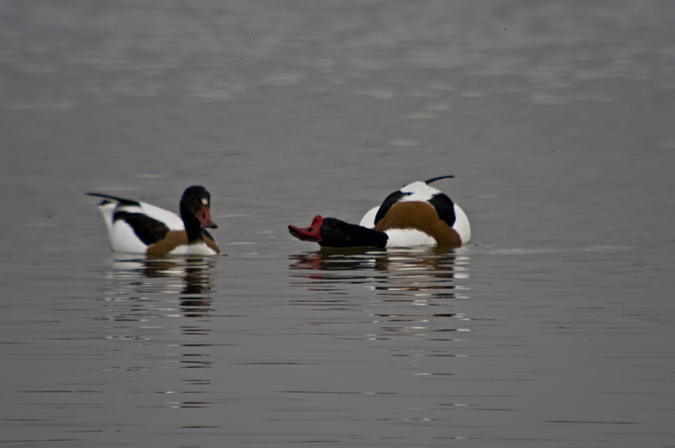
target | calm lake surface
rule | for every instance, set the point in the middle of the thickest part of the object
(554, 327)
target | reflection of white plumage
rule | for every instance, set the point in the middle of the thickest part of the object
(139, 227)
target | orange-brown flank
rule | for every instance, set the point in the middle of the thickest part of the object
(174, 239)
(420, 216)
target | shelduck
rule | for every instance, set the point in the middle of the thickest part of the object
(416, 215)
(139, 227)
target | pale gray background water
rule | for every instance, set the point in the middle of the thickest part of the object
(554, 328)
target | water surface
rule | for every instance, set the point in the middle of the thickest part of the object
(552, 328)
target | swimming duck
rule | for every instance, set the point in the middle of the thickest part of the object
(416, 215)
(139, 227)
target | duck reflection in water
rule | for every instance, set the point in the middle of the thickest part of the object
(190, 277)
(164, 305)
(430, 270)
(407, 294)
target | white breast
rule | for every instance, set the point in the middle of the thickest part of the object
(408, 238)
(200, 248)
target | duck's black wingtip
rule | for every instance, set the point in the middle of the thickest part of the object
(108, 198)
(434, 179)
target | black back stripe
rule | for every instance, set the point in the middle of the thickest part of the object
(148, 230)
(444, 207)
(390, 200)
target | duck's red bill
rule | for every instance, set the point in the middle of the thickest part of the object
(204, 217)
(311, 233)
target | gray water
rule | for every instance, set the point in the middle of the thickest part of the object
(553, 328)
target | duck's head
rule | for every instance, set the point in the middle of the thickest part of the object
(196, 201)
(331, 232)
(311, 233)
